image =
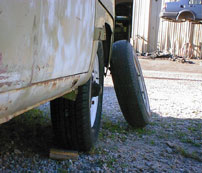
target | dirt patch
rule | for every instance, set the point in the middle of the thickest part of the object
(166, 65)
(172, 142)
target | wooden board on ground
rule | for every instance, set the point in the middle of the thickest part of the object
(59, 154)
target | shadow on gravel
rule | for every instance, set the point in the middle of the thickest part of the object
(29, 133)
(183, 136)
(174, 136)
(185, 130)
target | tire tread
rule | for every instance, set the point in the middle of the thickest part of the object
(126, 84)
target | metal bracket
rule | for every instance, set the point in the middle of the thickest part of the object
(100, 34)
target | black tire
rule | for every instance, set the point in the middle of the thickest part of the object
(129, 84)
(71, 120)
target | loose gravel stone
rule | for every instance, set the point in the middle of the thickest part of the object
(172, 142)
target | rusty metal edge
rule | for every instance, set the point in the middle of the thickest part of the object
(9, 117)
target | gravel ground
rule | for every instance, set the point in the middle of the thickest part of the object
(171, 143)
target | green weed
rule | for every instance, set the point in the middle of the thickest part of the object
(110, 162)
(190, 141)
(60, 170)
(186, 154)
(113, 128)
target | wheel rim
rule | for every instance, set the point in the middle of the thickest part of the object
(94, 100)
(143, 87)
(144, 93)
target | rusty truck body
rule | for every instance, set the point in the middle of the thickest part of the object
(59, 51)
(47, 49)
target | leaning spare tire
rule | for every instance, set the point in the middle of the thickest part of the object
(129, 84)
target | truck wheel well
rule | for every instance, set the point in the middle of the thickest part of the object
(186, 16)
(106, 45)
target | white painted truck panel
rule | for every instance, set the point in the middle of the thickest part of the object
(47, 49)
(43, 40)
(109, 5)
(65, 39)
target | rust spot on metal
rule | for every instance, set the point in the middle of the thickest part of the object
(2, 70)
(5, 83)
(8, 84)
(46, 83)
(74, 82)
(38, 67)
(3, 108)
(54, 85)
(54, 82)
(3, 77)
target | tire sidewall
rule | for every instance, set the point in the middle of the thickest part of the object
(126, 78)
(96, 126)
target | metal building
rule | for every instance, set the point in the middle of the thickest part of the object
(150, 33)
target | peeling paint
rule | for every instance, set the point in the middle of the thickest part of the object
(74, 82)
(17, 42)
(35, 95)
(47, 50)
(54, 85)
(3, 77)
(3, 108)
(62, 46)
(5, 84)
(2, 69)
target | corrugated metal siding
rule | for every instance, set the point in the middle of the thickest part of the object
(141, 10)
(169, 36)
(197, 41)
(173, 36)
